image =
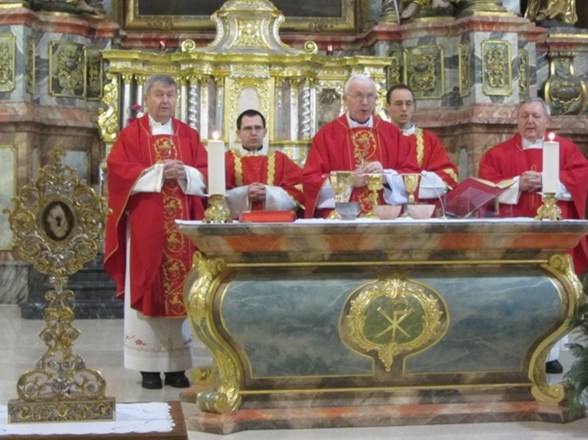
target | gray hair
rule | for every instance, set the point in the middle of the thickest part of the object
(546, 107)
(166, 80)
(359, 77)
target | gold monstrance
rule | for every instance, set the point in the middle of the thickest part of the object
(57, 223)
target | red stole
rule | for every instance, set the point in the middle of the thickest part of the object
(177, 248)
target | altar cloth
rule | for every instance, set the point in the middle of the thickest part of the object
(130, 417)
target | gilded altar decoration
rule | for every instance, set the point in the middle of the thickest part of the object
(66, 68)
(394, 318)
(564, 91)
(524, 74)
(424, 70)
(245, 66)
(561, 267)
(108, 116)
(57, 224)
(93, 75)
(561, 11)
(496, 68)
(465, 73)
(7, 62)
(395, 68)
(30, 69)
(204, 281)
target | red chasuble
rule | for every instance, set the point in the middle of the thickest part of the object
(508, 160)
(337, 147)
(430, 155)
(160, 255)
(275, 169)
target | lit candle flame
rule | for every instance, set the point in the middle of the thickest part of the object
(215, 135)
(551, 136)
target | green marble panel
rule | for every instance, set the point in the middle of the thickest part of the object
(289, 327)
(494, 321)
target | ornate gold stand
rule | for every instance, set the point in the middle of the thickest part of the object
(375, 183)
(57, 225)
(217, 211)
(549, 210)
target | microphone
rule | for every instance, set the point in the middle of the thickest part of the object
(443, 213)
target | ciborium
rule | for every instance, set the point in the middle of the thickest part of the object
(342, 183)
(57, 224)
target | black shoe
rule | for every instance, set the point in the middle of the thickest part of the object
(151, 381)
(553, 367)
(177, 379)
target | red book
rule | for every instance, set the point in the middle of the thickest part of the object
(267, 216)
(471, 195)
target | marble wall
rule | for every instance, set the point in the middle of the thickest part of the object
(38, 116)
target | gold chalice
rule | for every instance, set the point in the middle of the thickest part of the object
(375, 182)
(341, 181)
(411, 183)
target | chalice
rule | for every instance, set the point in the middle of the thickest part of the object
(411, 183)
(341, 181)
(375, 182)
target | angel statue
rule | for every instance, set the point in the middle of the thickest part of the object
(563, 11)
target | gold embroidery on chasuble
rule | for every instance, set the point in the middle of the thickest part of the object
(420, 146)
(176, 248)
(271, 169)
(365, 149)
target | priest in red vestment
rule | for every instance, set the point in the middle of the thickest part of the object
(438, 172)
(256, 179)
(521, 157)
(156, 174)
(361, 142)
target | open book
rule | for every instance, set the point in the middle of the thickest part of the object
(471, 195)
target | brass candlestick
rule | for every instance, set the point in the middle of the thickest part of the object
(341, 181)
(549, 210)
(217, 211)
(375, 182)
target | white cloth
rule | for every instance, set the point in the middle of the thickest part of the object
(152, 343)
(130, 417)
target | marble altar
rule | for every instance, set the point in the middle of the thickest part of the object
(452, 317)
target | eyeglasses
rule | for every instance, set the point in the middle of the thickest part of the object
(360, 97)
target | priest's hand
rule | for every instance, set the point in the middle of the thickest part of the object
(359, 175)
(530, 181)
(174, 169)
(256, 192)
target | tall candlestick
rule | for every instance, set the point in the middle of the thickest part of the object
(550, 174)
(216, 166)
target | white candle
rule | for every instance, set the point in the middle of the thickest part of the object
(550, 174)
(216, 166)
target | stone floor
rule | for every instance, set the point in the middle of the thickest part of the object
(100, 345)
